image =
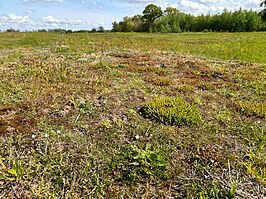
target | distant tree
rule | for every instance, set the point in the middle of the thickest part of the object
(41, 30)
(127, 25)
(152, 12)
(137, 20)
(263, 12)
(11, 30)
(171, 11)
(81, 31)
(174, 21)
(100, 29)
(69, 31)
(93, 30)
(57, 30)
(116, 27)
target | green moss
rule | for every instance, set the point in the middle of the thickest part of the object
(249, 108)
(186, 88)
(172, 110)
(162, 81)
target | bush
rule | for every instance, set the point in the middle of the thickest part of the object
(172, 110)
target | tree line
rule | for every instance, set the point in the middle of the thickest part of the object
(171, 20)
(100, 29)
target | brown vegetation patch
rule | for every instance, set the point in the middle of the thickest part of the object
(13, 120)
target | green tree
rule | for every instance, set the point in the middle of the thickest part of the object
(100, 29)
(171, 11)
(137, 20)
(263, 12)
(174, 21)
(116, 27)
(128, 24)
(151, 13)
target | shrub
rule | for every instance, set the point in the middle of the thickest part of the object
(172, 110)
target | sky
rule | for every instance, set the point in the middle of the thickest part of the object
(88, 14)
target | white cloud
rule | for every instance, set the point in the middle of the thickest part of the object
(213, 6)
(210, 1)
(98, 24)
(191, 6)
(30, 12)
(253, 3)
(14, 19)
(51, 21)
(139, 5)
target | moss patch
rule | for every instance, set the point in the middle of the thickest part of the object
(249, 108)
(172, 110)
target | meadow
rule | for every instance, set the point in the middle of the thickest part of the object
(133, 115)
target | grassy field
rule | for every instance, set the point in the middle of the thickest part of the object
(133, 115)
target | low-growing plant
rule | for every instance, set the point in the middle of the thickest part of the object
(70, 125)
(114, 73)
(147, 69)
(15, 172)
(172, 110)
(206, 86)
(255, 164)
(250, 108)
(161, 81)
(121, 66)
(105, 124)
(162, 72)
(259, 87)
(218, 191)
(143, 162)
(186, 88)
(62, 49)
(82, 106)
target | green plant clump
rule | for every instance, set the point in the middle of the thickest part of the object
(172, 111)
(143, 163)
(251, 108)
(217, 191)
(162, 82)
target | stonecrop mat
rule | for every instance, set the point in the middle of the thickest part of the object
(133, 115)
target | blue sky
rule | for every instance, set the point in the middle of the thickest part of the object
(88, 14)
